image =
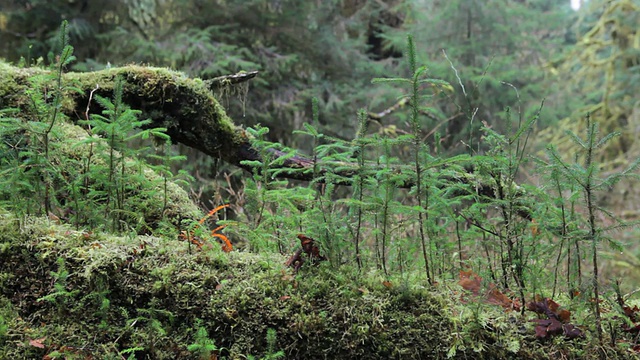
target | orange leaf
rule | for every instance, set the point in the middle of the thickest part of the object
(564, 315)
(213, 211)
(534, 228)
(226, 244)
(387, 284)
(218, 228)
(553, 306)
(495, 297)
(470, 281)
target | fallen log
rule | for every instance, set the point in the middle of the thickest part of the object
(187, 108)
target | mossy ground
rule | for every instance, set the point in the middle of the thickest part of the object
(149, 295)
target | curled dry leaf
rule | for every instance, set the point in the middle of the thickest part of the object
(309, 248)
(472, 282)
(557, 321)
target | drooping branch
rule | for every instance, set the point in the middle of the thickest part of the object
(233, 79)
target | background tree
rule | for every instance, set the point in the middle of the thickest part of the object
(494, 53)
(602, 72)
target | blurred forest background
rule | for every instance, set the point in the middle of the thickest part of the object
(497, 55)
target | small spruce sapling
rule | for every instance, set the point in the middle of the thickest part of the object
(119, 125)
(421, 188)
(203, 346)
(586, 177)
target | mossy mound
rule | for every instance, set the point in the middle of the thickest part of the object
(83, 294)
(150, 203)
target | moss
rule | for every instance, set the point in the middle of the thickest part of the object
(145, 198)
(151, 293)
(185, 106)
(92, 294)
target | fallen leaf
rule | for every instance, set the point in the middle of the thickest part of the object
(534, 228)
(470, 281)
(37, 343)
(495, 297)
(54, 218)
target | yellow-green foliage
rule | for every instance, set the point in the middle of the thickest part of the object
(601, 68)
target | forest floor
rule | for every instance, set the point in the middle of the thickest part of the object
(72, 293)
(68, 293)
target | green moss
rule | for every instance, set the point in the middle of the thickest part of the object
(145, 200)
(150, 293)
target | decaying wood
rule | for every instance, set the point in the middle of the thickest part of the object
(233, 79)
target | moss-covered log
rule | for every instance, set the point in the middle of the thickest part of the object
(193, 117)
(185, 106)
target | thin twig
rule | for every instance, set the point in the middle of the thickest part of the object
(86, 113)
(464, 91)
(232, 79)
(389, 110)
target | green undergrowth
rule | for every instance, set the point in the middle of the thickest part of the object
(77, 294)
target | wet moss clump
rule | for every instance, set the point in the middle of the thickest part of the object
(100, 294)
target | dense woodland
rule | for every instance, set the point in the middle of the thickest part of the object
(319, 179)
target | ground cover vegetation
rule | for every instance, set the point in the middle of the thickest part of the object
(454, 224)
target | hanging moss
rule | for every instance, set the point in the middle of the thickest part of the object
(602, 71)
